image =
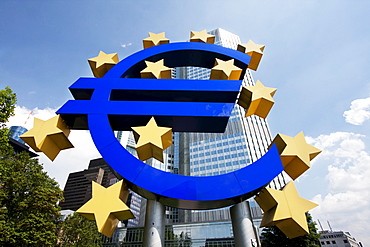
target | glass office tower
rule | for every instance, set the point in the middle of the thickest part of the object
(244, 141)
(138, 203)
(16, 131)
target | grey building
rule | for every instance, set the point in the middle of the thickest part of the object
(338, 239)
(77, 190)
(244, 141)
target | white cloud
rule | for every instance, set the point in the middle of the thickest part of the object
(359, 112)
(348, 211)
(70, 160)
(125, 45)
(347, 203)
(24, 117)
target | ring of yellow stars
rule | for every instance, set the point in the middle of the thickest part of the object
(101, 64)
(107, 207)
(285, 209)
(295, 153)
(257, 99)
(254, 50)
(155, 39)
(49, 137)
(151, 140)
(202, 37)
(225, 70)
(156, 70)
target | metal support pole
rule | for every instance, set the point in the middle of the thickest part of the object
(154, 224)
(243, 229)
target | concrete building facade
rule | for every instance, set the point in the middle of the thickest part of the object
(338, 239)
(77, 190)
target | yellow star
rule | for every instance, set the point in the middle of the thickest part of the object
(156, 70)
(257, 99)
(285, 209)
(225, 70)
(155, 39)
(151, 140)
(202, 37)
(295, 153)
(49, 137)
(107, 207)
(101, 64)
(254, 50)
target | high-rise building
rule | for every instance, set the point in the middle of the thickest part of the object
(17, 143)
(77, 190)
(244, 141)
(138, 203)
(16, 131)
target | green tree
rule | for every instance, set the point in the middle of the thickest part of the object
(77, 231)
(7, 105)
(273, 237)
(28, 196)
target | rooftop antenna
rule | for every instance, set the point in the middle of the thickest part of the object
(331, 230)
(320, 225)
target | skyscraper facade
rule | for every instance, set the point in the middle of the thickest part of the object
(16, 131)
(77, 190)
(244, 141)
(136, 200)
(16, 142)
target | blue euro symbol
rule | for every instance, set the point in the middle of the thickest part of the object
(121, 100)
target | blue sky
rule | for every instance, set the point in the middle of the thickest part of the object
(317, 55)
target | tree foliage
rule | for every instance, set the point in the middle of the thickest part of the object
(28, 196)
(273, 237)
(77, 231)
(7, 105)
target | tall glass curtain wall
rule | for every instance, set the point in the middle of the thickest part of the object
(244, 141)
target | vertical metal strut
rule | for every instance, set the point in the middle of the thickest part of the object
(243, 228)
(154, 224)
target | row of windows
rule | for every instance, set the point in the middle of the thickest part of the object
(218, 145)
(220, 151)
(333, 236)
(328, 242)
(224, 137)
(234, 119)
(175, 243)
(221, 165)
(198, 74)
(214, 173)
(333, 242)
